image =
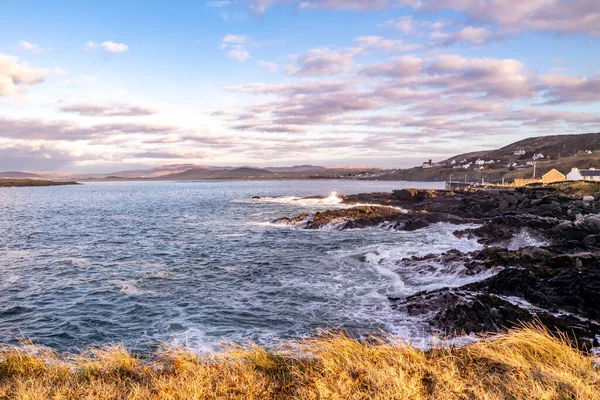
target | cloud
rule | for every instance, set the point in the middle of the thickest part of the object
(403, 67)
(565, 16)
(345, 4)
(235, 47)
(37, 129)
(268, 66)
(365, 44)
(566, 88)
(109, 47)
(321, 62)
(489, 76)
(106, 110)
(468, 34)
(34, 48)
(217, 3)
(260, 6)
(16, 74)
(32, 158)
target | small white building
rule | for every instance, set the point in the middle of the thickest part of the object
(574, 175)
(427, 164)
(530, 163)
(538, 156)
(453, 162)
(464, 160)
(519, 152)
(479, 161)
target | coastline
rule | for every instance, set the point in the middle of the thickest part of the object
(540, 257)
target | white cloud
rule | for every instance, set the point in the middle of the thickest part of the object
(321, 61)
(15, 74)
(235, 47)
(217, 3)
(33, 47)
(108, 46)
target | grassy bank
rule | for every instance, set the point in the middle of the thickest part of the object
(33, 182)
(523, 364)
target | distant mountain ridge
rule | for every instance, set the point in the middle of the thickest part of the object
(18, 174)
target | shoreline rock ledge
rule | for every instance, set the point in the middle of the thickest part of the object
(552, 278)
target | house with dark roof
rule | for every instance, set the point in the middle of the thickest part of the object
(590, 174)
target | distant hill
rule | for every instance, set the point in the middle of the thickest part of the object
(295, 168)
(562, 152)
(201, 173)
(553, 146)
(19, 175)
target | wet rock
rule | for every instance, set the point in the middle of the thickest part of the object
(563, 283)
(457, 311)
(291, 221)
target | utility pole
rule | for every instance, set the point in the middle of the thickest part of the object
(534, 170)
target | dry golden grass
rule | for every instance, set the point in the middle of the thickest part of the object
(527, 363)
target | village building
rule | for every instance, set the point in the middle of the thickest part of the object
(519, 152)
(427, 164)
(537, 156)
(479, 161)
(574, 175)
(553, 176)
(453, 162)
(590, 174)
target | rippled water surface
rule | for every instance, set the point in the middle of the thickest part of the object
(153, 262)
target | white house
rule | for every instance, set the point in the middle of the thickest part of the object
(464, 160)
(537, 156)
(590, 174)
(479, 161)
(574, 175)
(529, 163)
(519, 152)
(453, 162)
(427, 164)
(467, 166)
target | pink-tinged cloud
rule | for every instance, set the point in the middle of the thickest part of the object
(469, 35)
(322, 61)
(565, 88)
(16, 75)
(366, 44)
(566, 16)
(106, 110)
(403, 67)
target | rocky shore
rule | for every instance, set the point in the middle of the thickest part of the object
(555, 281)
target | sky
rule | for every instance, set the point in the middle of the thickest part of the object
(98, 86)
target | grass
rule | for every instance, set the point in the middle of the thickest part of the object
(527, 363)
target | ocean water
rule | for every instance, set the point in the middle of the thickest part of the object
(149, 263)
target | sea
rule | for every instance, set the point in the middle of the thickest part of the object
(202, 264)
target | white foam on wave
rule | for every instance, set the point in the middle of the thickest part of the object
(331, 200)
(525, 238)
(405, 279)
